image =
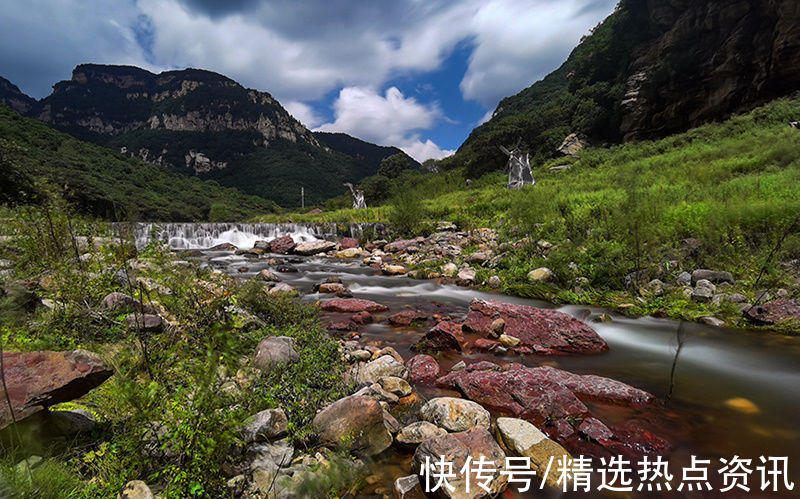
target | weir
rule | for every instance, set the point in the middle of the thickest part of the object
(181, 236)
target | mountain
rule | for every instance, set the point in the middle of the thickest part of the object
(199, 123)
(366, 154)
(35, 158)
(651, 69)
(11, 96)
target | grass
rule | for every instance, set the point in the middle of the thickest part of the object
(731, 185)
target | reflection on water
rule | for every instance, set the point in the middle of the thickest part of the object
(715, 365)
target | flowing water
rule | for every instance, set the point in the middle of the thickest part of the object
(715, 365)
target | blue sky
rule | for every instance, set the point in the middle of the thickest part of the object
(417, 74)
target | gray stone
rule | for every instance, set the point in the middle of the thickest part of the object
(383, 366)
(135, 489)
(521, 438)
(265, 425)
(494, 282)
(685, 279)
(275, 351)
(408, 487)
(355, 424)
(271, 456)
(72, 422)
(715, 276)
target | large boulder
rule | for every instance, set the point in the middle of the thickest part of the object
(373, 371)
(37, 380)
(521, 438)
(445, 335)
(275, 351)
(774, 311)
(542, 392)
(455, 414)
(456, 448)
(355, 424)
(282, 245)
(352, 306)
(423, 369)
(544, 331)
(314, 248)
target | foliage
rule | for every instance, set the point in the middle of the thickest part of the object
(96, 181)
(393, 166)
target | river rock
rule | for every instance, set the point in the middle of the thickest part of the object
(545, 331)
(349, 243)
(37, 380)
(395, 385)
(224, 247)
(265, 425)
(416, 433)
(509, 341)
(423, 369)
(275, 351)
(466, 277)
(71, 422)
(406, 317)
(314, 248)
(390, 269)
(135, 489)
(521, 438)
(281, 288)
(456, 448)
(495, 282)
(449, 268)
(445, 335)
(282, 245)
(268, 276)
(350, 253)
(455, 414)
(542, 274)
(352, 306)
(715, 276)
(332, 288)
(383, 366)
(684, 279)
(774, 311)
(541, 392)
(354, 424)
(400, 245)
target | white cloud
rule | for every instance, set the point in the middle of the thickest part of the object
(389, 119)
(304, 113)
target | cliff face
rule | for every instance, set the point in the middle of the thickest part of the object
(709, 59)
(112, 100)
(652, 68)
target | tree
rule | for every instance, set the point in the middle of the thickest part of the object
(394, 165)
(377, 189)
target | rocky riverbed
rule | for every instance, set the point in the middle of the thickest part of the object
(438, 367)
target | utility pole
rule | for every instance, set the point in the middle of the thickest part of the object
(302, 197)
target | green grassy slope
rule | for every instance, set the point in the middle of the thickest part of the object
(734, 186)
(100, 182)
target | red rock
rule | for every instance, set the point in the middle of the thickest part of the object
(485, 345)
(37, 380)
(545, 331)
(406, 317)
(362, 318)
(352, 305)
(423, 369)
(349, 242)
(282, 245)
(401, 245)
(774, 311)
(445, 335)
(595, 429)
(344, 326)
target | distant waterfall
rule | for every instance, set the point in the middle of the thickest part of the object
(207, 235)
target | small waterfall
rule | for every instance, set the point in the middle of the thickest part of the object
(207, 235)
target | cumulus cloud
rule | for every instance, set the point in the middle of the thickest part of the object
(388, 119)
(304, 113)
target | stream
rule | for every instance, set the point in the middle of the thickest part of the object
(715, 365)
